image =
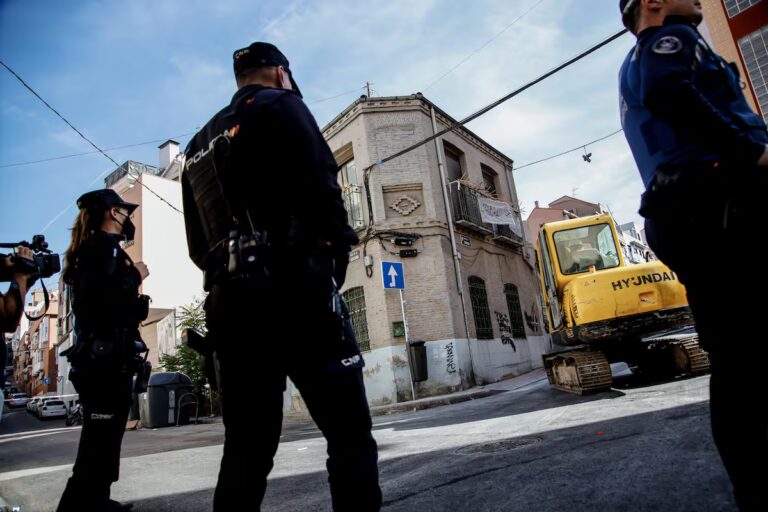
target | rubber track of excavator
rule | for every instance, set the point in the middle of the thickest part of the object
(690, 358)
(578, 372)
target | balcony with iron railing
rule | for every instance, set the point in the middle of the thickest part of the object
(134, 169)
(503, 233)
(466, 211)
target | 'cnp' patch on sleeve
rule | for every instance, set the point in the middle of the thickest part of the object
(667, 45)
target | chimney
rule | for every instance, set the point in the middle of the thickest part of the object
(536, 203)
(168, 151)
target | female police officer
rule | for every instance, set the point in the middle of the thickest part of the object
(107, 309)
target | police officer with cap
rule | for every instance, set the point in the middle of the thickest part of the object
(108, 350)
(702, 155)
(266, 223)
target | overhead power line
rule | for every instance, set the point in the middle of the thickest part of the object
(61, 157)
(337, 96)
(25, 84)
(475, 52)
(498, 102)
(569, 151)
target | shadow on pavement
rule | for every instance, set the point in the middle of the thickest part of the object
(662, 460)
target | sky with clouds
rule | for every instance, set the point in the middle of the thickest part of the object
(131, 71)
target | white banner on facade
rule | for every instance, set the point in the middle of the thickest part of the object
(498, 212)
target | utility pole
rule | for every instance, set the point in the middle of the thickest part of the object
(368, 89)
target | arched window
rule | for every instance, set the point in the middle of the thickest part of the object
(480, 310)
(515, 310)
(355, 300)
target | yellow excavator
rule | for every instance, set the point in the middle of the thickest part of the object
(601, 310)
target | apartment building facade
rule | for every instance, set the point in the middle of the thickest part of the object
(738, 30)
(34, 347)
(482, 329)
(161, 243)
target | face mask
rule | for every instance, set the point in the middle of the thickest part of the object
(129, 229)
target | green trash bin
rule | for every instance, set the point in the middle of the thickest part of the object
(159, 406)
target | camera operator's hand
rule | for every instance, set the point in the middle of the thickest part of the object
(12, 304)
(142, 268)
(24, 252)
(25, 280)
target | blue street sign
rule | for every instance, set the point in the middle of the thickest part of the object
(392, 274)
(46, 380)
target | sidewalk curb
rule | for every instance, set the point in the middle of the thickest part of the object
(428, 403)
(486, 390)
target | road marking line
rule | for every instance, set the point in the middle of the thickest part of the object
(2, 436)
(32, 436)
(12, 475)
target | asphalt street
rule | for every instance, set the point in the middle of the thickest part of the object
(644, 446)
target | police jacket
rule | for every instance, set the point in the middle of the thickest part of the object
(105, 286)
(263, 154)
(682, 104)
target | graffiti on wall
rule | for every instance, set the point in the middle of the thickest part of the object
(450, 358)
(505, 327)
(532, 318)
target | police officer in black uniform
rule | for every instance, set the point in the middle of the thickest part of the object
(701, 152)
(266, 222)
(108, 350)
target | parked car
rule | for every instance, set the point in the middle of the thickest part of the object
(44, 400)
(32, 404)
(17, 399)
(52, 408)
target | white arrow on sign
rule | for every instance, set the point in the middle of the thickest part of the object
(392, 274)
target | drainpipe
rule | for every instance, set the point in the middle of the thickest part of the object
(456, 255)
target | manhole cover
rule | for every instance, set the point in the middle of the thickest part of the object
(499, 446)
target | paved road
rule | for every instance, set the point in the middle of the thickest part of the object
(640, 447)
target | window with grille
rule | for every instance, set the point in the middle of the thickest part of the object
(355, 300)
(735, 7)
(754, 50)
(480, 310)
(515, 310)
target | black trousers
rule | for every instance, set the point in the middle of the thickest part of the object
(262, 338)
(105, 398)
(713, 252)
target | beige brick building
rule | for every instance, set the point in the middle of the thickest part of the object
(495, 331)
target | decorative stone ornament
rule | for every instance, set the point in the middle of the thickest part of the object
(405, 205)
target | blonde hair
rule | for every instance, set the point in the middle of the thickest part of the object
(86, 222)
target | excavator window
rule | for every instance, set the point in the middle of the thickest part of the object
(586, 246)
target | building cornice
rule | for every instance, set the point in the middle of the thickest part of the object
(366, 105)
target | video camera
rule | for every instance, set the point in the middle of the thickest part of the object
(44, 263)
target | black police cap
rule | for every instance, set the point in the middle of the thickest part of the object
(103, 199)
(626, 7)
(260, 55)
